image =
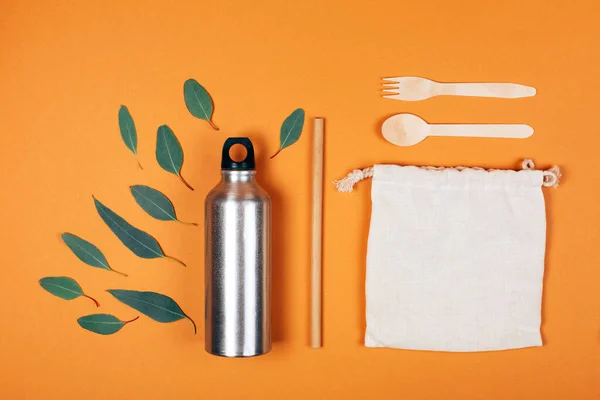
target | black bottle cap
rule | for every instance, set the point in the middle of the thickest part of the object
(227, 164)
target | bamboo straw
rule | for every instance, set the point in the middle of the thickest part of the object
(317, 234)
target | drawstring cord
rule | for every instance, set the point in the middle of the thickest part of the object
(551, 176)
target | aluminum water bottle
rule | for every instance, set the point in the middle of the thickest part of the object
(238, 260)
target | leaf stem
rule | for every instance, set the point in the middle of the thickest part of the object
(138, 162)
(93, 299)
(176, 260)
(275, 154)
(126, 322)
(186, 223)
(192, 321)
(184, 182)
(212, 125)
(119, 272)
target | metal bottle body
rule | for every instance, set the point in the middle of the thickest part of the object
(238, 267)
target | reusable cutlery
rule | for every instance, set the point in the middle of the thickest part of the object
(409, 129)
(412, 88)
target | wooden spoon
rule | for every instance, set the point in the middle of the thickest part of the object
(409, 129)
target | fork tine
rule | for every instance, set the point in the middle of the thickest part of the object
(394, 79)
(390, 85)
(396, 91)
(393, 97)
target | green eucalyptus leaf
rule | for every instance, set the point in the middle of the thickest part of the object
(169, 153)
(139, 242)
(87, 252)
(155, 203)
(102, 324)
(157, 306)
(198, 101)
(128, 131)
(291, 130)
(64, 287)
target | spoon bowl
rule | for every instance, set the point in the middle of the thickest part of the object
(405, 129)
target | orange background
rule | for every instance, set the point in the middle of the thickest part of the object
(67, 66)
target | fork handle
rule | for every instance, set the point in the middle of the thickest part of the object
(518, 131)
(498, 90)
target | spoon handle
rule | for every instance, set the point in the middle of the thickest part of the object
(484, 130)
(498, 90)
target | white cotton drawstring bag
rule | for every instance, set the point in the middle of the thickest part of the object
(455, 257)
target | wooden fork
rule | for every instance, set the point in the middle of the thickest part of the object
(412, 88)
